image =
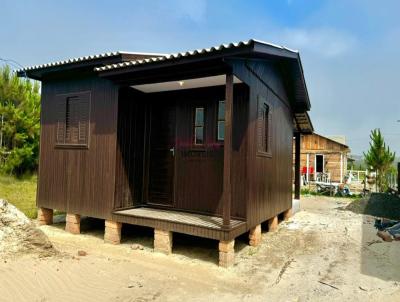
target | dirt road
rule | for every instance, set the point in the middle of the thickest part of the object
(322, 253)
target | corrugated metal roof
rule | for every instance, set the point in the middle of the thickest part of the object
(188, 54)
(303, 122)
(85, 59)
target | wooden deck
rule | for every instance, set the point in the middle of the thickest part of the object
(182, 222)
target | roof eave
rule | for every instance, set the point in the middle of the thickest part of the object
(274, 50)
(287, 54)
(82, 63)
(39, 72)
(121, 68)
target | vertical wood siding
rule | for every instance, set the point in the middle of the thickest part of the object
(109, 173)
(269, 178)
(198, 169)
(130, 148)
(79, 180)
(317, 144)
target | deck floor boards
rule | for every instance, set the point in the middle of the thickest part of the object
(199, 220)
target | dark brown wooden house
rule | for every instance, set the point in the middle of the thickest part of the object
(197, 142)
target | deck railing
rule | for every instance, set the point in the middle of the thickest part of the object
(323, 177)
(356, 175)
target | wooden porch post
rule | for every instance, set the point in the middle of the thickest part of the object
(227, 194)
(297, 166)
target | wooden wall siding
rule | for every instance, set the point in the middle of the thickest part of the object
(198, 169)
(317, 142)
(332, 163)
(269, 178)
(130, 148)
(79, 180)
(199, 174)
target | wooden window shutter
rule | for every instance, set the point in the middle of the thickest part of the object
(73, 119)
(60, 112)
(83, 108)
(269, 134)
(264, 126)
(260, 127)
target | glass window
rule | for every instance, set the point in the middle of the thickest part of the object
(199, 116)
(221, 121)
(199, 135)
(199, 126)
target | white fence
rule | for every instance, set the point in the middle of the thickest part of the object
(356, 175)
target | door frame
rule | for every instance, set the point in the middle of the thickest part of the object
(146, 164)
(323, 163)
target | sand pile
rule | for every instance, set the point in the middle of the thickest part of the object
(19, 235)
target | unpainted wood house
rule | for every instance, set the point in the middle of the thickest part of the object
(323, 158)
(198, 142)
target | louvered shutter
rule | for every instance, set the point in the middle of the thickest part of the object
(73, 119)
(264, 125)
(269, 134)
(61, 111)
(83, 122)
(261, 125)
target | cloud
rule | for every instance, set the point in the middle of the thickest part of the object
(326, 42)
(195, 10)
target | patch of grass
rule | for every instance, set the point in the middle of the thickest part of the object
(308, 192)
(377, 204)
(21, 192)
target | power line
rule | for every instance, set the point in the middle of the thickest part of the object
(14, 64)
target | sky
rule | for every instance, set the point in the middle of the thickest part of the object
(349, 48)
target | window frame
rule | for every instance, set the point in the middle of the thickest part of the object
(265, 127)
(219, 139)
(201, 126)
(63, 118)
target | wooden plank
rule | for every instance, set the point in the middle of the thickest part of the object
(211, 222)
(180, 226)
(227, 193)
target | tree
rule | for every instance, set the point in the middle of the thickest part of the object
(19, 123)
(379, 158)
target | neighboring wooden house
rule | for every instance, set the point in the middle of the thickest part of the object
(197, 142)
(323, 158)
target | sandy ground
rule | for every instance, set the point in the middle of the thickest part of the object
(322, 253)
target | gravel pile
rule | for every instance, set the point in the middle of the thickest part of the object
(19, 235)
